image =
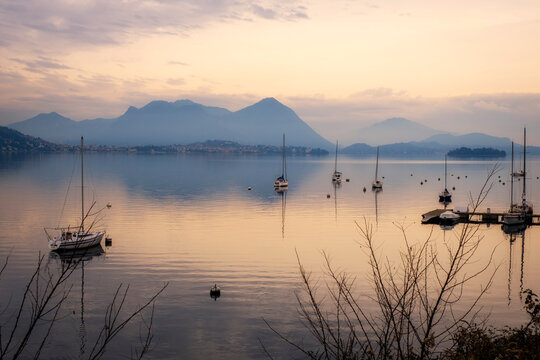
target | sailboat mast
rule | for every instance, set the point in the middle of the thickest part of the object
(377, 164)
(335, 163)
(445, 176)
(82, 184)
(524, 162)
(283, 169)
(512, 179)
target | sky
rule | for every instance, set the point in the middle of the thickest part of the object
(460, 66)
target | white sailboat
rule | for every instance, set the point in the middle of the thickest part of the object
(377, 185)
(336, 176)
(445, 196)
(518, 213)
(76, 237)
(281, 182)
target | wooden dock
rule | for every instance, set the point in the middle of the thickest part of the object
(478, 217)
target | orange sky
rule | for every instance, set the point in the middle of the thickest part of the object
(94, 58)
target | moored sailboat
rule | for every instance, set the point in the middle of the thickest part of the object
(518, 214)
(76, 237)
(336, 176)
(377, 184)
(445, 196)
(281, 183)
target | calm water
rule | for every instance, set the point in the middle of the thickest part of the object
(190, 221)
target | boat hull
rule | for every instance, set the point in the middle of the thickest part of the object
(514, 219)
(377, 185)
(84, 241)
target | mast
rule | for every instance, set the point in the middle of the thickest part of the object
(283, 167)
(377, 164)
(335, 163)
(82, 184)
(512, 180)
(524, 162)
(445, 155)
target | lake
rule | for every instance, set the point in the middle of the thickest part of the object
(190, 221)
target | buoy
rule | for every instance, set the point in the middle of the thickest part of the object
(347, 180)
(364, 189)
(249, 188)
(215, 292)
(328, 196)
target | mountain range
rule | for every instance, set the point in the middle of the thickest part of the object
(180, 122)
(263, 123)
(395, 130)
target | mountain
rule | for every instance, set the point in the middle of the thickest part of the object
(395, 130)
(430, 147)
(12, 141)
(402, 149)
(52, 127)
(473, 139)
(180, 122)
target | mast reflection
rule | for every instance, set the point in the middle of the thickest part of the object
(512, 234)
(283, 194)
(77, 258)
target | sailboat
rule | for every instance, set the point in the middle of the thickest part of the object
(76, 237)
(445, 196)
(336, 176)
(518, 213)
(526, 207)
(377, 185)
(281, 182)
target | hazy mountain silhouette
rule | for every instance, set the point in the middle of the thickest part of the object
(12, 141)
(440, 144)
(180, 122)
(473, 139)
(395, 130)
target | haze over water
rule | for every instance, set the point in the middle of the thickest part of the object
(191, 221)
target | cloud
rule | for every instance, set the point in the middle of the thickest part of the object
(102, 22)
(264, 13)
(41, 64)
(178, 63)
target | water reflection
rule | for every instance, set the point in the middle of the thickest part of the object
(283, 196)
(376, 192)
(77, 259)
(512, 234)
(336, 186)
(189, 220)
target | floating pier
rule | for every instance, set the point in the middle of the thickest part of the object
(476, 217)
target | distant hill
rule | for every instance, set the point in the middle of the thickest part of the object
(12, 141)
(424, 148)
(465, 152)
(180, 122)
(473, 139)
(395, 130)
